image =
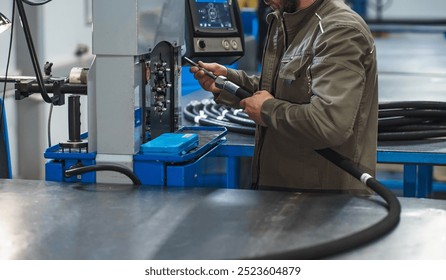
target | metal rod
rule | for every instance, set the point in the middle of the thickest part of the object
(74, 118)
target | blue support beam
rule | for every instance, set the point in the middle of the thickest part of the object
(359, 6)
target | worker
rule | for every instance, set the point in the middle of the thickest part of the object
(317, 89)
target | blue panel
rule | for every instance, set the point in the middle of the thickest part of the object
(138, 117)
(54, 171)
(150, 172)
(424, 180)
(233, 172)
(196, 175)
(410, 180)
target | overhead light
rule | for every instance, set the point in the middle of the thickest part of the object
(5, 23)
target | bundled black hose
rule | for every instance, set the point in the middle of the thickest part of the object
(196, 112)
(397, 121)
(411, 120)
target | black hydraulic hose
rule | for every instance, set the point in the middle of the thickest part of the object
(103, 167)
(191, 113)
(219, 110)
(430, 113)
(209, 112)
(346, 243)
(398, 121)
(428, 126)
(239, 112)
(411, 120)
(240, 120)
(411, 135)
(413, 104)
(359, 238)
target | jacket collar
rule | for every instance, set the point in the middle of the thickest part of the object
(293, 20)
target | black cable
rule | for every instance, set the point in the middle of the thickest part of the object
(32, 53)
(50, 114)
(103, 167)
(31, 3)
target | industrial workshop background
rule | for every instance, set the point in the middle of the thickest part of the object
(66, 41)
(195, 202)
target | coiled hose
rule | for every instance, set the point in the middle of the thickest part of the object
(397, 121)
(411, 120)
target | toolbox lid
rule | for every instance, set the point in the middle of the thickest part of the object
(171, 143)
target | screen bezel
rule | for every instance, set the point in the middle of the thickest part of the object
(215, 31)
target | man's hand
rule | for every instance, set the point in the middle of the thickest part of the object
(253, 105)
(206, 82)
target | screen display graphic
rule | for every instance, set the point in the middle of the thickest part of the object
(214, 14)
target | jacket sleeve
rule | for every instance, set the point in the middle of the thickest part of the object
(337, 78)
(241, 79)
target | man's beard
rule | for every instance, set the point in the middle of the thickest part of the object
(290, 6)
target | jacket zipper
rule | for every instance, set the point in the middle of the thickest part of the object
(262, 130)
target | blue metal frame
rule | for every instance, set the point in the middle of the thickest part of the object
(418, 170)
(6, 139)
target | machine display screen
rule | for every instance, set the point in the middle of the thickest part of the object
(214, 15)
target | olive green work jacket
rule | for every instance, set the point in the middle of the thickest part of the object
(320, 64)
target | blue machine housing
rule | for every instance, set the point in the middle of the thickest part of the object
(173, 159)
(60, 159)
(175, 168)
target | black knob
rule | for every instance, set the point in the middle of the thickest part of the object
(201, 44)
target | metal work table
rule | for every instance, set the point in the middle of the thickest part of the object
(47, 220)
